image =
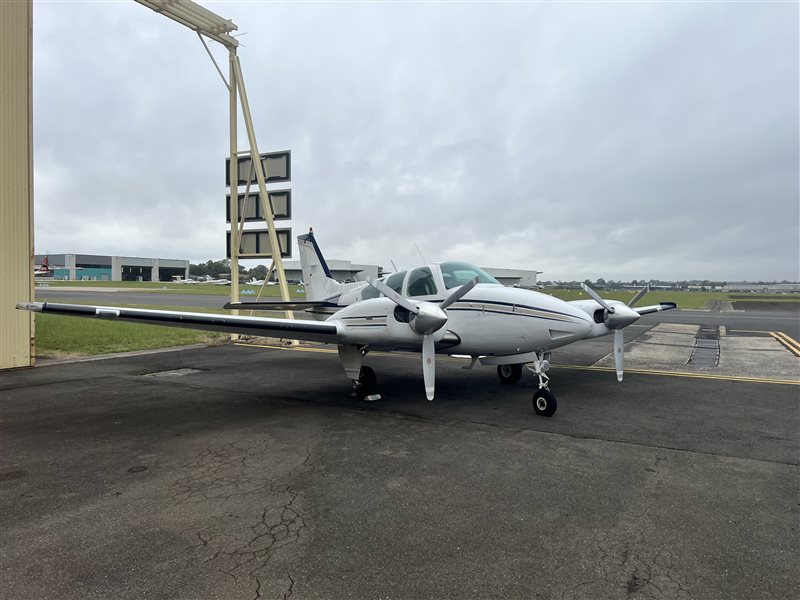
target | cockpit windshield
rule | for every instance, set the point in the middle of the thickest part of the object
(459, 273)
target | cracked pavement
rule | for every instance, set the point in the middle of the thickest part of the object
(264, 479)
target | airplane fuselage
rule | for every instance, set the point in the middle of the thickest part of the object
(491, 320)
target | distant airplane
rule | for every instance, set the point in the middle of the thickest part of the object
(254, 281)
(179, 279)
(45, 269)
(447, 308)
(209, 279)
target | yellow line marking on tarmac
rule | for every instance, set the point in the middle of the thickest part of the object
(790, 343)
(736, 330)
(788, 338)
(686, 374)
(323, 350)
(579, 367)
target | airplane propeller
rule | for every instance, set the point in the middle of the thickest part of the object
(617, 318)
(426, 319)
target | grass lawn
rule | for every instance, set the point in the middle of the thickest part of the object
(682, 299)
(59, 336)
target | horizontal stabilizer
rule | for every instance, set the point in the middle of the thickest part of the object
(646, 310)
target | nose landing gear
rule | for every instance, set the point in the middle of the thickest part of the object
(544, 402)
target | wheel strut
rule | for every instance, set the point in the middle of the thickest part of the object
(540, 366)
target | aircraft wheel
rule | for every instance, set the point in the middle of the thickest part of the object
(367, 383)
(509, 373)
(544, 403)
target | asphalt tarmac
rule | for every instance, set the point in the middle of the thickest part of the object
(249, 472)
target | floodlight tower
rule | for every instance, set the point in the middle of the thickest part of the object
(210, 25)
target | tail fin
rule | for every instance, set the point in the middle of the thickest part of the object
(317, 278)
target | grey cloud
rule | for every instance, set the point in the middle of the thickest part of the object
(616, 141)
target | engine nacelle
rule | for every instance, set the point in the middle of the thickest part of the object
(380, 322)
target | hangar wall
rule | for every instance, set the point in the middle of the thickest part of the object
(16, 184)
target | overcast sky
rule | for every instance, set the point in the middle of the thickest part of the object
(585, 140)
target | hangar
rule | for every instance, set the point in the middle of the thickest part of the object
(343, 271)
(114, 268)
(514, 277)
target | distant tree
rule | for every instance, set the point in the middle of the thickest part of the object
(199, 270)
(259, 271)
(213, 268)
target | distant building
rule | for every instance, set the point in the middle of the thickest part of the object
(343, 271)
(514, 277)
(96, 267)
(772, 288)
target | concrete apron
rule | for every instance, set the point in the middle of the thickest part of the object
(687, 348)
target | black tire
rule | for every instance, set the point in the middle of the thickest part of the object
(509, 373)
(544, 403)
(367, 383)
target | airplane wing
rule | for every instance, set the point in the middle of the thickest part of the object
(314, 331)
(646, 310)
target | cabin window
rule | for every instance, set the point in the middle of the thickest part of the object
(395, 281)
(421, 283)
(459, 273)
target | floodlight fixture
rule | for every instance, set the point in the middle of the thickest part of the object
(197, 18)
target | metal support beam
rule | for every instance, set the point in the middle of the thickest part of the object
(206, 23)
(266, 208)
(234, 173)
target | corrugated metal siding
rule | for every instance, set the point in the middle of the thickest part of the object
(16, 183)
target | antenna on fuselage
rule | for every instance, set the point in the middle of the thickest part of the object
(394, 266)
(420, 253)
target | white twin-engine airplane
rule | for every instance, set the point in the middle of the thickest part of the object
(450, 308)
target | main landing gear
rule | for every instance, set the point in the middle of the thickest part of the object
(366, 386)
(365, 383)
(544, 402)
(509, 373)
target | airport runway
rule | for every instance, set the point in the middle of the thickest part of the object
(247, 472)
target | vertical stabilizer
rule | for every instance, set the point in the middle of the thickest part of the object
(317, 279)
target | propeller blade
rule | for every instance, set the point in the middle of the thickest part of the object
(458, 293)
(619, 352)
(599, 300)
(429, 365)
(646, 310)
(393, 296)
(639, 295)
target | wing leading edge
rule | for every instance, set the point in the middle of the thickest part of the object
(314, 331)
